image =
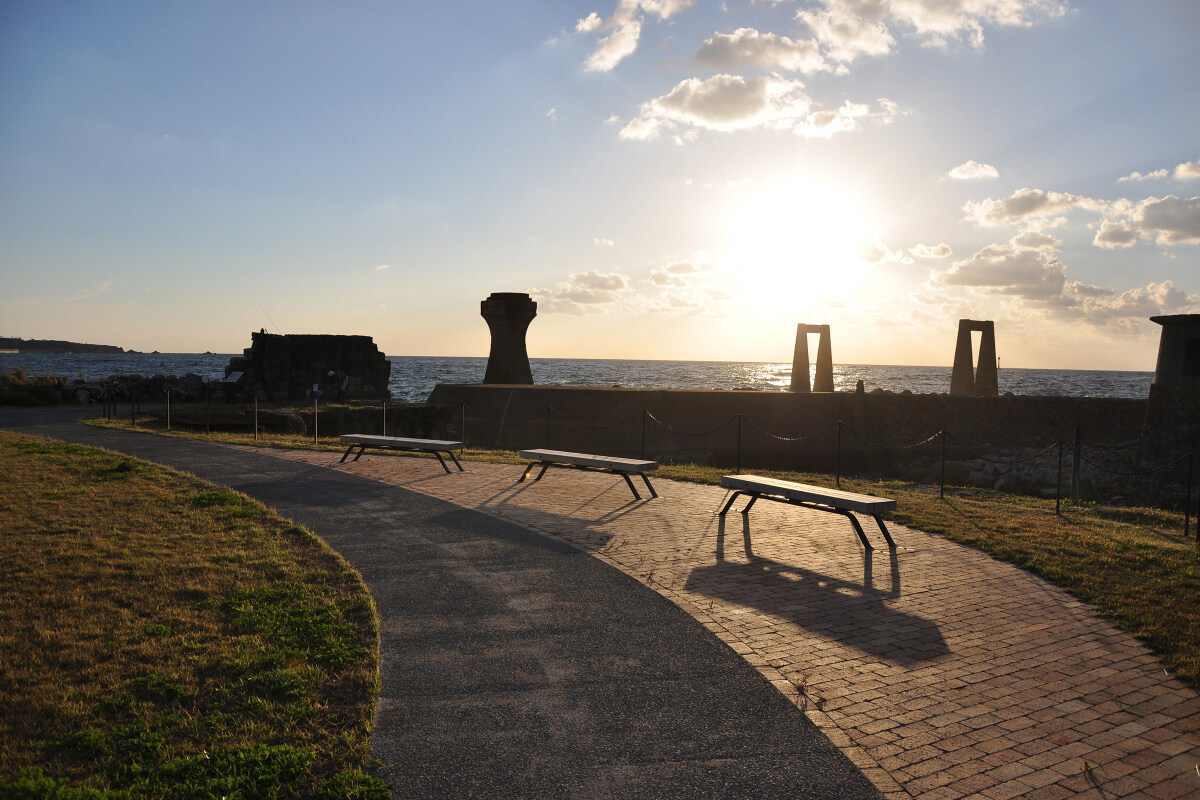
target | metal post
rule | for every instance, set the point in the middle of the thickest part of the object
(942, 487)
(1076, 451)
(547, 427)
(1058, 482)
(838, 475)
(132, 408)
(168, 408)
(207, 422)
(384, 416)
(256, 417)
(1187, 502)
(643, 434)
(464, 424)
(739, 446)
(315, 401)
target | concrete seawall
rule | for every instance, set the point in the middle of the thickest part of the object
(776, 429)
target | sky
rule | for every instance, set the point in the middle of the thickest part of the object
(668, 179)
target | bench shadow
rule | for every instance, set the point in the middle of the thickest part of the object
(849, 612)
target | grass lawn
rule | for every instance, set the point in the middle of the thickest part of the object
(161, 637)
(1134, 565)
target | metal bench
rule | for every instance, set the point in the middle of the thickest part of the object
(435, 446)
(618, 466)
(815, 497)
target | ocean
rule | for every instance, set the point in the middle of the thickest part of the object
(414, 377)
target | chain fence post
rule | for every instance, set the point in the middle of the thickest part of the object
(644, 412)
(739, 445)
(838, 461)
(942, 487)
(1058, 483)
(133, 408)
(547, 427)
(168, 408)
(315, 401)
(464, 424)
(256, 416)
(385, 416)
(1076, 453)
(207, 420)
(1187, 502)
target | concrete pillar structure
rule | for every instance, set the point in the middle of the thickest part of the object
(965, 379)
(508, 315)
(1172, 426)
(823, 380)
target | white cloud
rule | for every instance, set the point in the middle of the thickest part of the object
(850, 28)
(1008, 270)
(878, 253)
(1135, 176)
(942, 250)
(1026, 203)
(845, 34)
(730, 102)
(673, 274)
(1174, 220)
(1037, 240)
(1188, 171)
(382, 267)
(601, 242)
(768, 51)
(973, 171)
(1113, 234)
(625, 29)
(589, 23)
(552, 115)
(582, 293)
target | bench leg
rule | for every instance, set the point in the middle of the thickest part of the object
(455, 460)
(753, 500)
(362, 448)
(725, 510)
(648, 486)
(883, 528)
(525, 474)
(346, 454)
(441, 460)
(629, 483)
(862, 536)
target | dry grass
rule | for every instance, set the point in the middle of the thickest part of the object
(160, 636)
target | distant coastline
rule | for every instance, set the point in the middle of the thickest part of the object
(11, 345)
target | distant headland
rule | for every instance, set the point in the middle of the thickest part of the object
(55, 346)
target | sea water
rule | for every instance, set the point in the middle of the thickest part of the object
(414, 377)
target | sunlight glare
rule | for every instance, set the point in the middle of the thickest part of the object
(798, 236)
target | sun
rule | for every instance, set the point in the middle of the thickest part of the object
(797, 236)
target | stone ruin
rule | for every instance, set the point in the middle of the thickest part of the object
(508, 315)
(283, 367)
(1172, 426)
(983, 380)
(823, 379)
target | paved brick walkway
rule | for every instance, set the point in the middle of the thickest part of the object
(940, 672)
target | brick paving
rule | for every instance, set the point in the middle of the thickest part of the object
(940, 672)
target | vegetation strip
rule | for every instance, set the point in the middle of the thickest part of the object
(163, 637)
(1133, 565)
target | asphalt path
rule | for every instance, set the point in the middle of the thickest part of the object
(513, 664)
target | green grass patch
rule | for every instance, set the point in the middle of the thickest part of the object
(164, 638)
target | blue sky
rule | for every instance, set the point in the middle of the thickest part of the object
(668, 179)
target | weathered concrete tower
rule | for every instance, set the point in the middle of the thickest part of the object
(508, 315)
(983, 381)
(1173, 414)
(823, 380)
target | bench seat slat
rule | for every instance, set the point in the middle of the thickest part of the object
(588, 460)
(835, 498)
(400, 442)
